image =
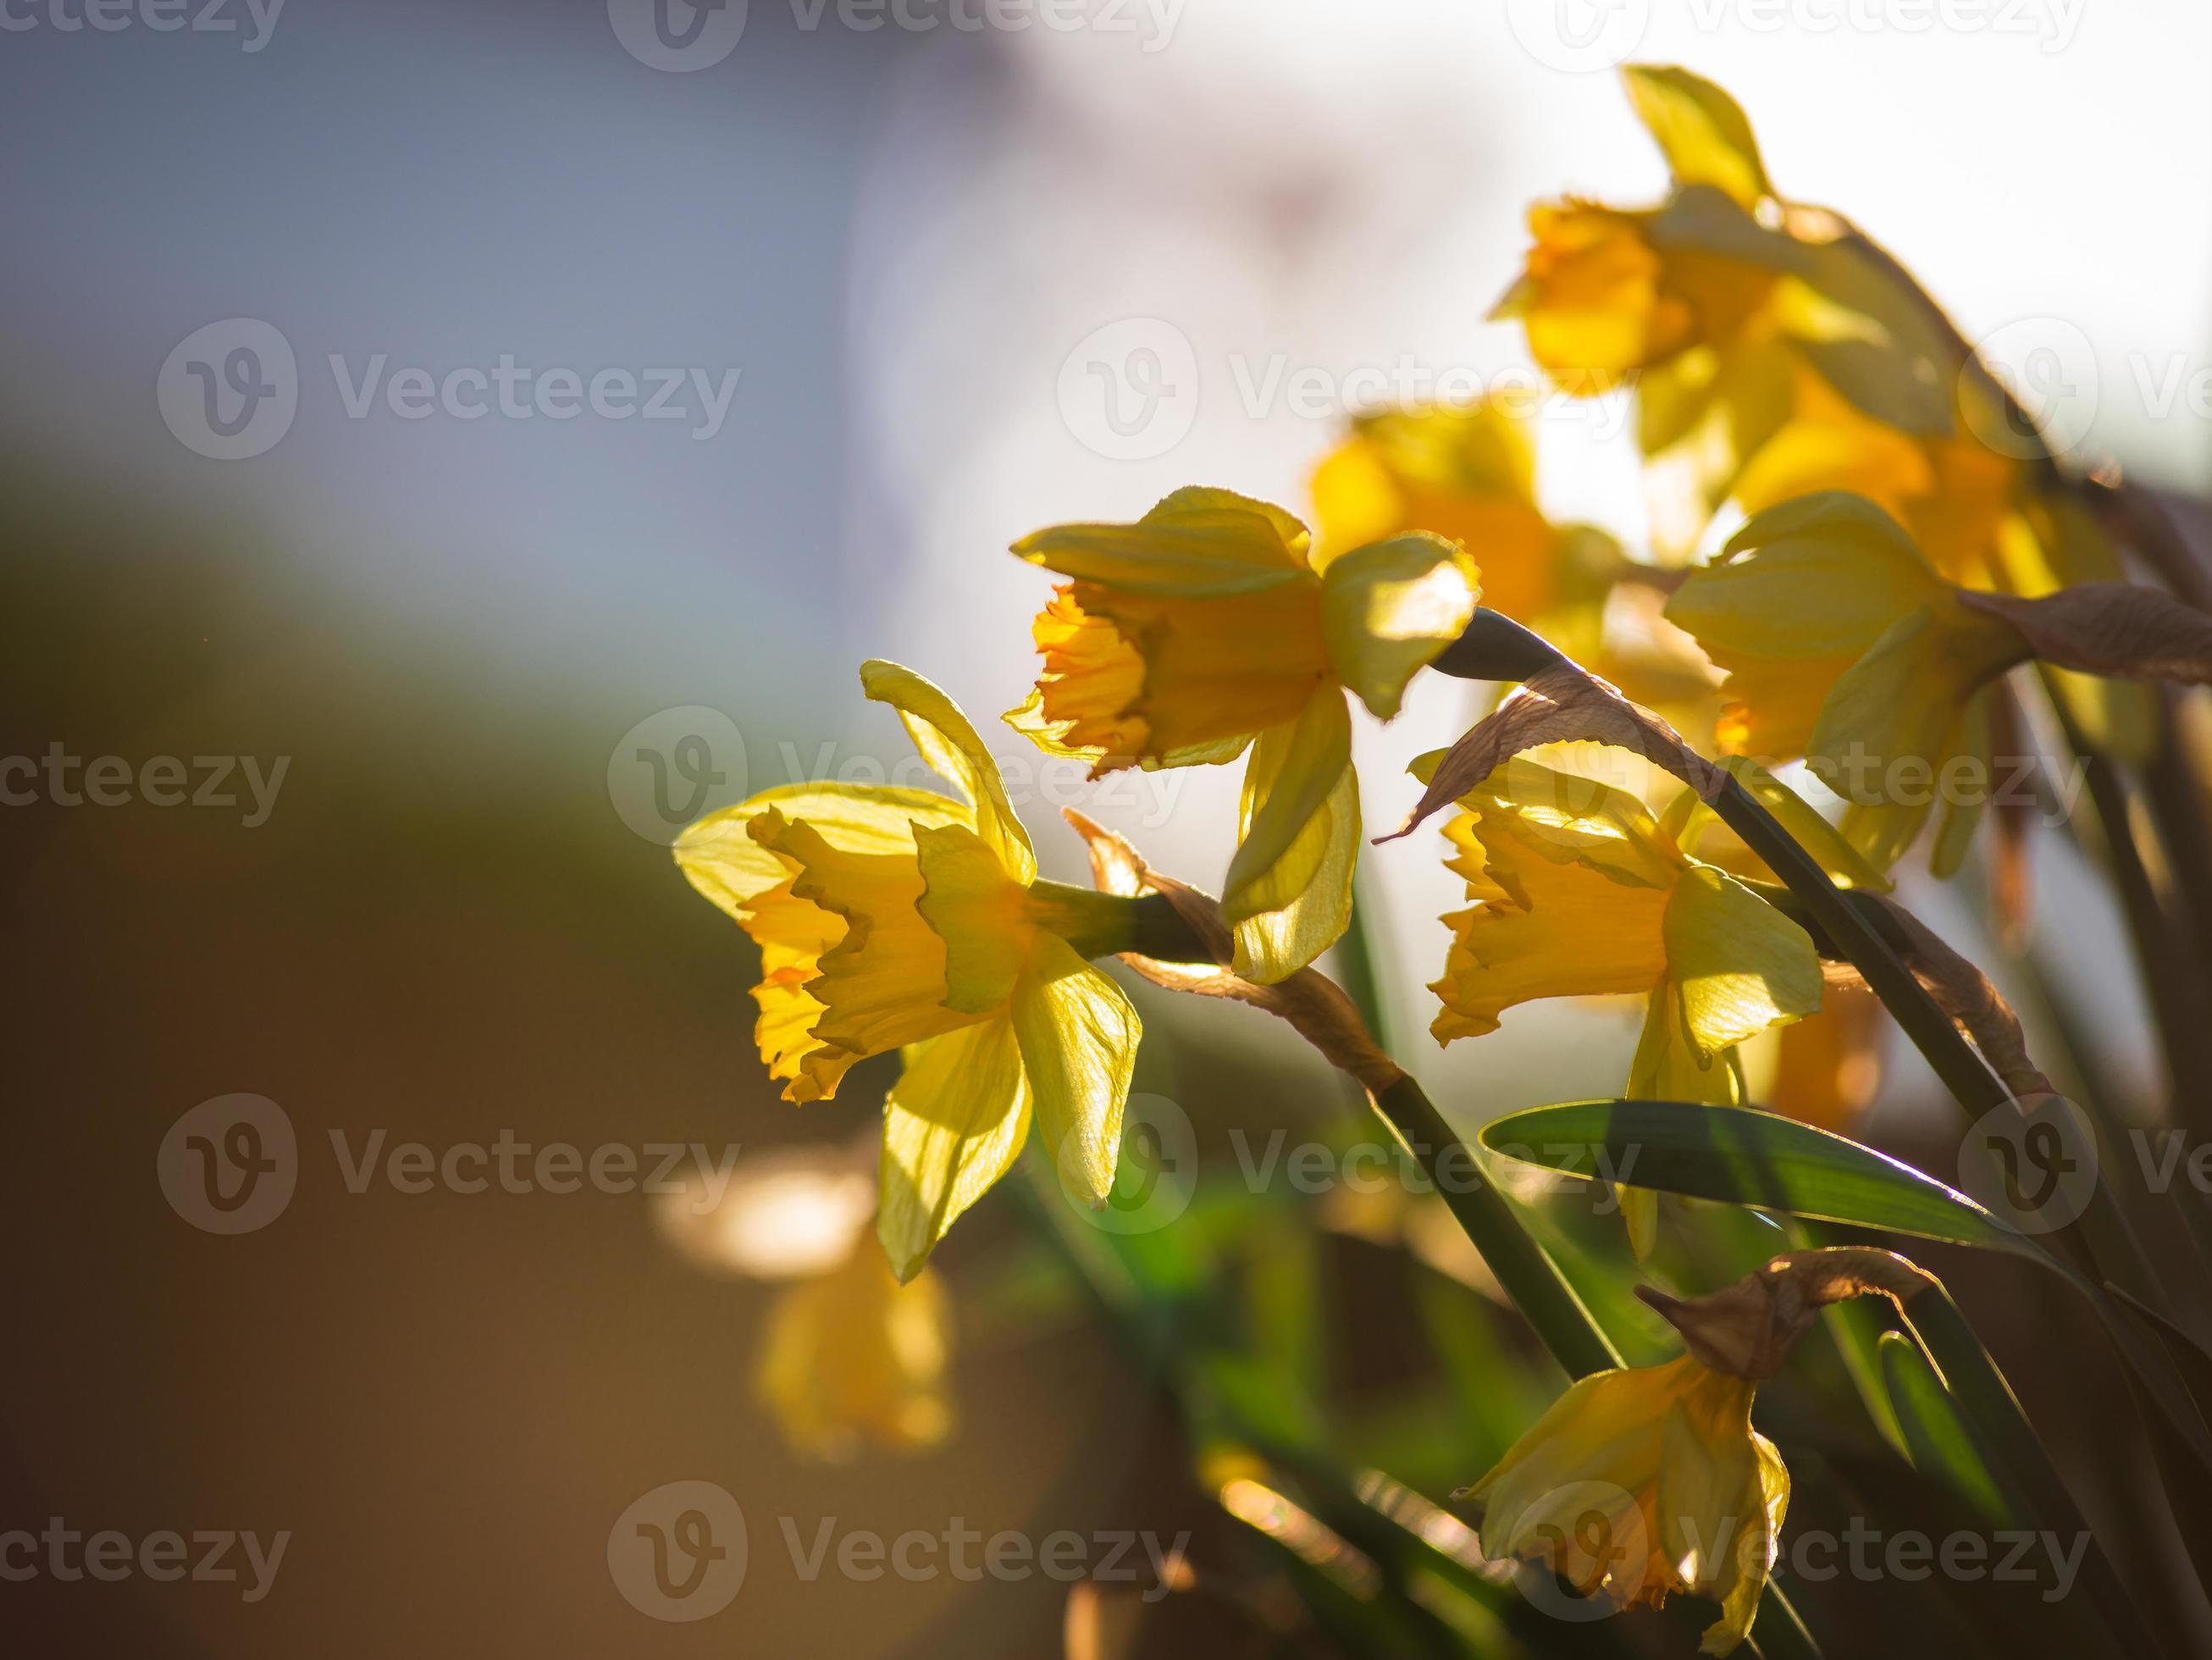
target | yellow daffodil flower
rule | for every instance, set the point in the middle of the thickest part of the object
(1643, 1482)
(1842, 645)
(1982, 519)
(897, 918)
(1580, 892)
(1210, 626)
(1776, 353)
(853, 1357)
(1469, 474)
(1607, 294)
(1690, 299)
(1953, 493)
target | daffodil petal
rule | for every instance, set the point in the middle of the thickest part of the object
(1582, 1435)
(950, 746)
(1548, 925)
(1701, 130)
(1669, 1066)
(1741, 965)
(851, 1357)
(1640, 1212)
(1964, 799)
(1079, 1035)
(952, 1125)
(1193, 544)
(1821, 576)
(1389, 608)
(878, 982)
(1567, 818)
(1754, 1558)
(1896, 718)
(1049, 735)
(1288, 824)
(1465, 471)
(719, 856)
(1272, 945)
(1709, 1489)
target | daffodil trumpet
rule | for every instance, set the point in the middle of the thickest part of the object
(1213, 627)
(1497, 647)
(1842, 644)
(895, 919)
(1577, 889)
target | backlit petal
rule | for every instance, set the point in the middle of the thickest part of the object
(1272, 945)
(1389, 608)
(949, 743)
(952, 1125)
(720, 857)
(1821, 576)
(1294, 771)
(1741, 965)
(1194, 542)
(1078, 1047)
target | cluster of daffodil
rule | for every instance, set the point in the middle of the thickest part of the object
(1904, 547)
(895, 919)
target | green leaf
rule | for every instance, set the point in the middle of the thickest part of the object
(1745, 1156)
(1936, 1438)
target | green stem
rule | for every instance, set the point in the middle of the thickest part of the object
(1358, 959)
(1529, 1276)
(1107, 924)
